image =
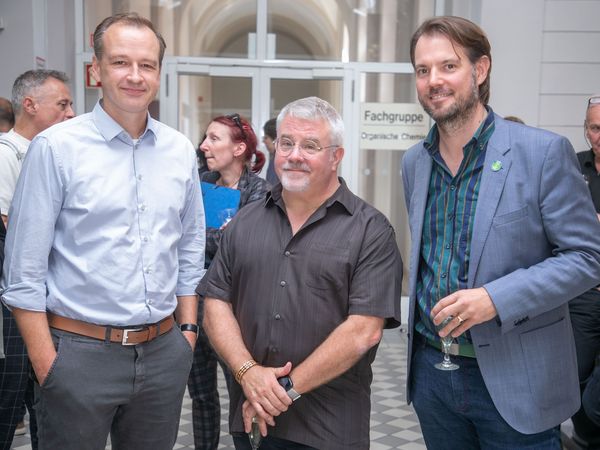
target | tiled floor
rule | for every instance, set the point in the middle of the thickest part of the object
(394, 424)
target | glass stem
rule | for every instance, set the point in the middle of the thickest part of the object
(446, 348)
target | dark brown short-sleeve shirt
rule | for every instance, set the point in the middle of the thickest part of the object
(289, 293)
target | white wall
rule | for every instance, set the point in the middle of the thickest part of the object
(515, 31)
(35, 28)
(16, 42)
(570, 66)
(546, 61)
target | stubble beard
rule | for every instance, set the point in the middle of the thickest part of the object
(459, 113)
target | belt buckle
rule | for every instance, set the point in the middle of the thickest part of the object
(126, 335)
(454, 350)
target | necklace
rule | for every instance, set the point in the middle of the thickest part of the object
(220, 182)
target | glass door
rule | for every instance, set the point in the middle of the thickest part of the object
(196, 93)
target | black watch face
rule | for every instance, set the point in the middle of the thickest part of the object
(285, 383)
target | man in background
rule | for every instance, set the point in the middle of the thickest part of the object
(40, 99)
(269, 137)
(585, 309)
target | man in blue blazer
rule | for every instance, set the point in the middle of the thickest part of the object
(504, 234)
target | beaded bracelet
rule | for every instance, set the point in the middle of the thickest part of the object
(242, 370)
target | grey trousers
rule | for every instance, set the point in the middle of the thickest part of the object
(97, 388)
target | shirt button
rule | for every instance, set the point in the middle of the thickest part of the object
(447, 245)
(450, 216)
(147, 270)
(140, 177)
(142, 207)
(149, 301)
(145, 239)
(452, 187)
(287, 253)
(282, 283)
(444, 275)
(274, 349)
(277, 317)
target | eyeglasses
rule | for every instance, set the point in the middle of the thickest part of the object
(593, 128)
(238, 122)
(285, 146)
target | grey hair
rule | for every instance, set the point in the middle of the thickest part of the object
(314, 108)
(27, 83)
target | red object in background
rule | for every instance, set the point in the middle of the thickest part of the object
(90, 81)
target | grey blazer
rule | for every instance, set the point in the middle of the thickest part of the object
(535, 246)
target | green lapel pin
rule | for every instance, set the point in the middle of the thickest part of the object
(496, 166)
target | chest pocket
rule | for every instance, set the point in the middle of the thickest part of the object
(328, 268)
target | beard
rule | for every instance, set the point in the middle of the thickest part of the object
(295, 182)
(457, 114)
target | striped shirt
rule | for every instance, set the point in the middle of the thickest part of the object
(448, 224)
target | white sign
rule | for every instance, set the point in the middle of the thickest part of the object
(392, 126)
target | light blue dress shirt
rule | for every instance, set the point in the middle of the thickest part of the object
(104, 228)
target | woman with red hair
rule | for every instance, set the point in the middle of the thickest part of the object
(230, 149)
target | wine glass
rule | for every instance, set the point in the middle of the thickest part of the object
(254, 434)
(446, 364)
(225, 215)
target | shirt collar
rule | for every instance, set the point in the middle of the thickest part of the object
(431, 142)
(109, 128)
(588, 158)
(17, 137)
(342, 195)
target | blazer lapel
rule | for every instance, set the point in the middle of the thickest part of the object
(495, 170)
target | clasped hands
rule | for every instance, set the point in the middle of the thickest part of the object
(469, 307)
(265, 398)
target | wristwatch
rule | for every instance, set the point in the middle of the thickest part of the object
(288, 385)
(189, 327)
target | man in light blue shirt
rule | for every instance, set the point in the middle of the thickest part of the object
(105, 244)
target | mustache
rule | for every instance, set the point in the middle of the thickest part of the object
(296, 166)
(437, 91)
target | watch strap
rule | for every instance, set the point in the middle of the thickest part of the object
(189, 327)
(293, 394)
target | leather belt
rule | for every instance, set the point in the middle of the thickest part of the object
(122, 335)
(466, 350)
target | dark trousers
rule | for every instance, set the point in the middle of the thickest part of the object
(202, 386)
(585, 317)
(241, 442)
(14, 370)
(96, 388)
(455, 409)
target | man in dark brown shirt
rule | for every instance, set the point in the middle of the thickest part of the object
(299, 292)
